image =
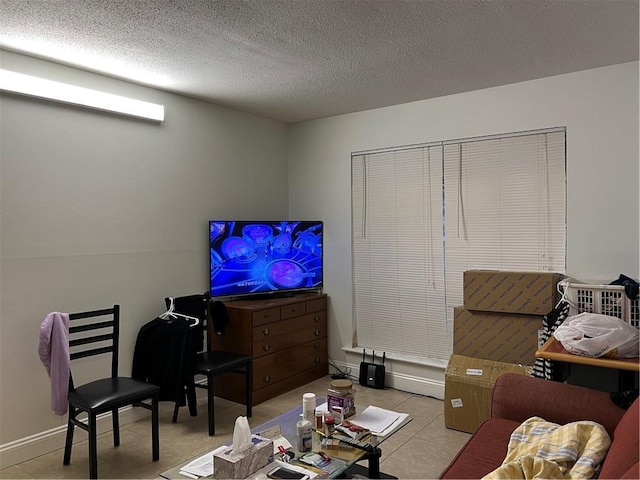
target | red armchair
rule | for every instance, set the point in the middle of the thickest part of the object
(518, 397)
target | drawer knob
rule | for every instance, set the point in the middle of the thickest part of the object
(267, 347)
(266, 379)
(265, 331)
(317, 332)
(317, 360)
(316, 318)
(317, 346)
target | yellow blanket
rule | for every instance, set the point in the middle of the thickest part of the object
(541, 449)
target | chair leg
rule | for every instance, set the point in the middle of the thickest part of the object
(155, 434)
(176, 409)
(249, 388)
(116, 427)
(66, 460)
(93, 446)
(210, 406)
(192, 401)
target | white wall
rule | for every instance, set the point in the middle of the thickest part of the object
(100, 209)
(600, 110)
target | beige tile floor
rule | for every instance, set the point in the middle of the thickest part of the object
(422, 449)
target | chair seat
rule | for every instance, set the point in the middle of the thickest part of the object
(215, 362)
(109, 393)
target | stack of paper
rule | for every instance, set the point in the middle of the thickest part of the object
(381, 422)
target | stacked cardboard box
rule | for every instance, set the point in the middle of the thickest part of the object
(532, 293)
(497, 328)
(501, 337)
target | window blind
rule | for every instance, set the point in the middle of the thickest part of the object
(398, 251)
(423, 215)
(505, 206)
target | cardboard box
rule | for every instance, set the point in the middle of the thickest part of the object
(511, 292)
(503, 337)
(468, 388)
(243, 465)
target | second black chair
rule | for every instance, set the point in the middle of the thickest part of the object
(212, 363)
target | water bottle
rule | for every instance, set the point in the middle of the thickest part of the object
(305, 441)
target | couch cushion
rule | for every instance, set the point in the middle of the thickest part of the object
(623, 454)
(484, 452)
(632, 474)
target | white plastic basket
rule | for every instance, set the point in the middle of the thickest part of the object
(605, 299)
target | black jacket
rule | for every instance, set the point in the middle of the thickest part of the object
(165, 354)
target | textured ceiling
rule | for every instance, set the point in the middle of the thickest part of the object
(296, 60)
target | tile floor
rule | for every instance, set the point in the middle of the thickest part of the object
(422, 449)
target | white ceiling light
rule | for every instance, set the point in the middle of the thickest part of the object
(61, 92)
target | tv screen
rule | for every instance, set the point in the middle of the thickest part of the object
(264, 257)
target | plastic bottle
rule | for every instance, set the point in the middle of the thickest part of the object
(329, 424)
(309, 407)
(305, 441)
(342, 394)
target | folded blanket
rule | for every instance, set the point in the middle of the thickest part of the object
(541, 449)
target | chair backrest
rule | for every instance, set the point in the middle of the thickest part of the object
(83, 336)
(195, 306)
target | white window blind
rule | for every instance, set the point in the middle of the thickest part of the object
(397, 251)
(424, 215)
(505, 206)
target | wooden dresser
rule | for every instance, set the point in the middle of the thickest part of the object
(287, 338)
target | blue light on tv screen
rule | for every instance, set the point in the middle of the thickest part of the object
(262, 257)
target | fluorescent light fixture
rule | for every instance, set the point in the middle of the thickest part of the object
(61, 92)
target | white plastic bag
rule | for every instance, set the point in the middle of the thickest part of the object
(595, 335)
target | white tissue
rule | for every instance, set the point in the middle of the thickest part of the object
(241, 436)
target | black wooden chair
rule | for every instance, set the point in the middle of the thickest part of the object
(98, 336)
(212, 363)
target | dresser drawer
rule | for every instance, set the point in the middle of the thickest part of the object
(293, 310)
(263, 317)
(273, 368)
(269, 344)
(290, 327)
(317, 305)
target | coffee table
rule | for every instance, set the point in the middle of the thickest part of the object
(350, 455)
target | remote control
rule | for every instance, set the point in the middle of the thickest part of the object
(354, 443)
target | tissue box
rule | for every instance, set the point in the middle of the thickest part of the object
(243, 465)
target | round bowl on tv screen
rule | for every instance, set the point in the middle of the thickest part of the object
(257, 257)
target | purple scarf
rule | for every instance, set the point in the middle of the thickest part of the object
(54, 354)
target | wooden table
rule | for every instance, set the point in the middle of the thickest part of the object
(553, 350)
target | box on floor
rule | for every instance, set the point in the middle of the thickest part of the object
(468, 387)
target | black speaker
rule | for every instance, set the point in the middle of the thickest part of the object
(371, 373)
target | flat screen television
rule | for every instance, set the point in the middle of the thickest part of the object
(259, 257)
